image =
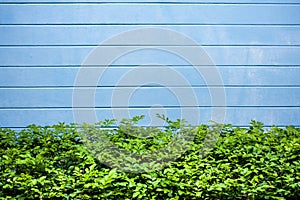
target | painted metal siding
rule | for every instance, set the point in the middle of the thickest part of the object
(255, 45)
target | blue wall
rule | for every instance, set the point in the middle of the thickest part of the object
(255, 45)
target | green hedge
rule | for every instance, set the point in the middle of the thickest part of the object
(52, 162)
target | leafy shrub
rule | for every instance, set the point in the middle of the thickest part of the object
(53, 162)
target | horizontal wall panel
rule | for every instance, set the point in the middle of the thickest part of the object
(203, 35)
(112, 76)
(149, 14)
(238, 116)
(148, 97)
(153, 1)
(142, 55)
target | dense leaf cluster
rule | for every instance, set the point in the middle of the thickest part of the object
(246, 163)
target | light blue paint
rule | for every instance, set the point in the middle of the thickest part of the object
(149, 14)
(232, 76)
(151, 1)
(254, 43)
(155, 1)
(223, 55)
(238, 116)
(202, 34)
(147, 97)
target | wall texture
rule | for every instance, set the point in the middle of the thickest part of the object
(254, 44)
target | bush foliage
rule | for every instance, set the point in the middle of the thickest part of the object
(52, 162)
